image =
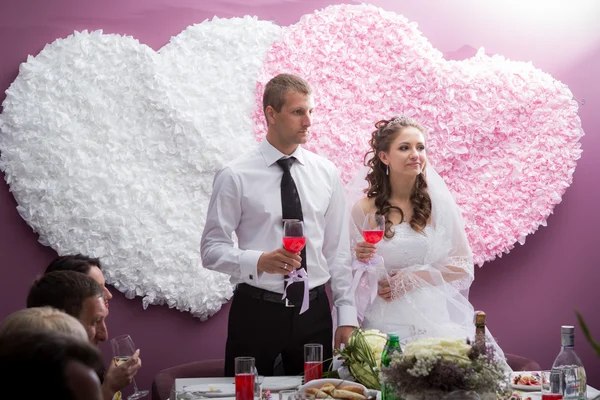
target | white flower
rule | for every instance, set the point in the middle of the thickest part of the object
(376, 341)
(428, 348)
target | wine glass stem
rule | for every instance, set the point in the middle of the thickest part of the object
(135, 388)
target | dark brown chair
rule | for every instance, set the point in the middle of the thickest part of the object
(518, 363)
(164, 380)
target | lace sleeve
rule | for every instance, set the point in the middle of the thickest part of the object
(448, 264)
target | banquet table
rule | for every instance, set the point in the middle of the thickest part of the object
(271, 382)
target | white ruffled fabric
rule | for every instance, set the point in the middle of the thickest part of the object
(110, 149)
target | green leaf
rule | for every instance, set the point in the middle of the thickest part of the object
(587, 334)
(331, 374)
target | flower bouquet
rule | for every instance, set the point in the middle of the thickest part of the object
(362, 356)
(434, 368)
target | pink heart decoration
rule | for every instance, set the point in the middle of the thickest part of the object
(503, 134)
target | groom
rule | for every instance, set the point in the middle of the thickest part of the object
(253, 195)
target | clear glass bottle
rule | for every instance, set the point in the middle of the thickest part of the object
(391, 347)
(574, 379)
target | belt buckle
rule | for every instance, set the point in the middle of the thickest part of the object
(288, 304)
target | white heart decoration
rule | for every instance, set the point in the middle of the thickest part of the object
(110, 149)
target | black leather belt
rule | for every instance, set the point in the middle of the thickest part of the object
(274, 297)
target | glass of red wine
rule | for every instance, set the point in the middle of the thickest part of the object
(245, 377)
(293, 236)
(373, 228)
(313, 362)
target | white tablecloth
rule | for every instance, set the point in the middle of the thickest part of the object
(181, 383)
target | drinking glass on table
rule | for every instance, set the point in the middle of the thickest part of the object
(285, 394)
(293, 235)
(123, 348)
(258, 382)
(245, 377)
(313, 362)
(552, 385)
(301, 396)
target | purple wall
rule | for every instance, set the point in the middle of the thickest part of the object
(527, 294)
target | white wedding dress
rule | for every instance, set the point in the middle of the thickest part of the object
(429, 311)
(430, 273)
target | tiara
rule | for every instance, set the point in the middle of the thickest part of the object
(403, 120)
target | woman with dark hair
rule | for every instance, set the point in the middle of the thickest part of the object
(427, 270)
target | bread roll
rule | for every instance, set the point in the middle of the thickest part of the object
(347, 395)
(318, 393)
(328, 388)
(353, 388)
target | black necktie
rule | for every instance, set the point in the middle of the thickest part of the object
(291, 208)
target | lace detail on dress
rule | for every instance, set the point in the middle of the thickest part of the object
(406, 248)
(466, 264)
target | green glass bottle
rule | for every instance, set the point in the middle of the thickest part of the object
(391, 347)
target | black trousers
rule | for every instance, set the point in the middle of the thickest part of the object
(264, 330)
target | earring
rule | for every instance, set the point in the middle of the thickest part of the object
(387, 169)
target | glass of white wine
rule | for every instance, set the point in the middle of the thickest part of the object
(123, 348)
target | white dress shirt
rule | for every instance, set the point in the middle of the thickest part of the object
(246, 198)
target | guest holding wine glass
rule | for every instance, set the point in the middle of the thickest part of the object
(123, 351)
(82, 297)
(254, 196)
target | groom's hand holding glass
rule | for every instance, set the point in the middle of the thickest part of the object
(285, 260)
(279, 261)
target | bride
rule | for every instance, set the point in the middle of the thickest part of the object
(423, 284)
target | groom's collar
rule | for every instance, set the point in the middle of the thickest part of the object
(271, 154)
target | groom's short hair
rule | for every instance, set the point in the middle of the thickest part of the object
(278, 86)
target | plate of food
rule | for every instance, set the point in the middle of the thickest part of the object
(335, 389)
(212, 390)
(520, 396)
(527, 381)
(277, 383)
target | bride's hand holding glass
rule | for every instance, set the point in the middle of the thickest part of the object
(373, 229)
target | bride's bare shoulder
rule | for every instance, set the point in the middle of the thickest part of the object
(367, 205)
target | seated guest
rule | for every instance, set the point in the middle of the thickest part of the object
(42, 319)
(80, 296)
(55, 365)
(77, 295)
(86, 265)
